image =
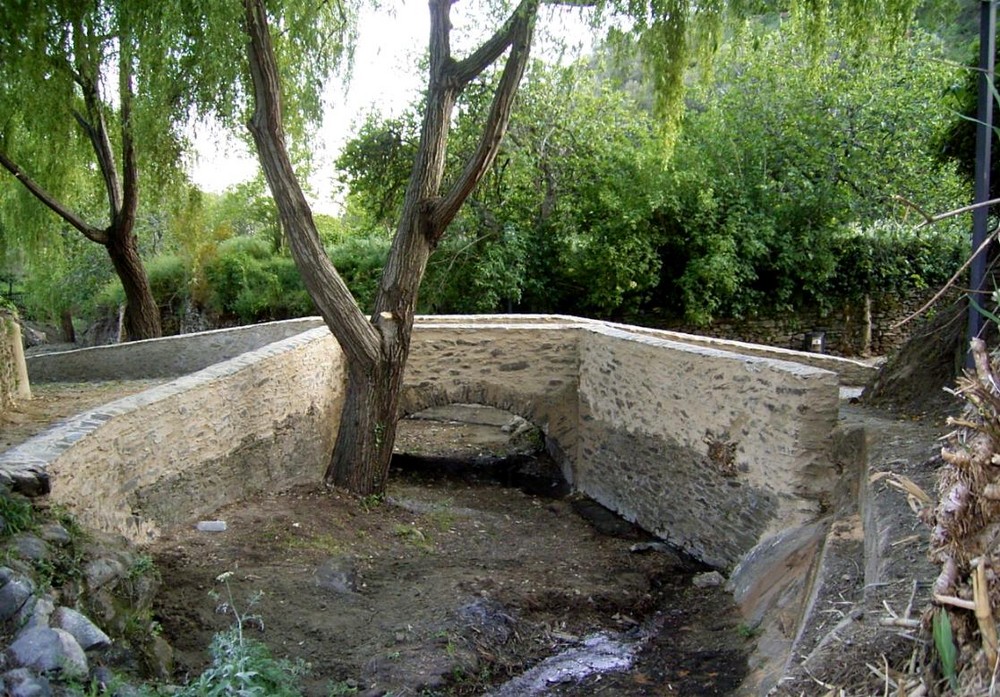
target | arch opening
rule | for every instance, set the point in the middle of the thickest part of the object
(477, 442)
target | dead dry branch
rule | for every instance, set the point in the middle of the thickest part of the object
(965, 524)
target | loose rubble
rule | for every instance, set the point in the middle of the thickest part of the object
(63, 595)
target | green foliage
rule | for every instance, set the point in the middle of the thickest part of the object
(342, 688)
(241, 665)
(170, 279)
(890, 257)
(17, 514)
(146, 70)
(52, 53)
(475, 271)
(944, 642)
(376, 164)
(562, 222)
(780, 191)
(248, 281)
(66, 273)
(360, 260)
(782, 163)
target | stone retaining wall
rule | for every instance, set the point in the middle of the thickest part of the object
(710, 449)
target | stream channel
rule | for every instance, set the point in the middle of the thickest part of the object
(479, 573)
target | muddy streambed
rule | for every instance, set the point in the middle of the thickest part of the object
(457, 583)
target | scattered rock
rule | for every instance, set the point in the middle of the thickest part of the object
(88, 635)
(41, 612)
(489, 619)
(710, 579)
(21, 682)
(48, 650)
(54, 533)
(337, 574)
(14, 594)
(31, 337)
(160, 658)
(30, 547)
(102, 571)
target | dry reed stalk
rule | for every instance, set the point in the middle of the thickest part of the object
(984, 614)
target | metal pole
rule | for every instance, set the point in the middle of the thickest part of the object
(984, 136)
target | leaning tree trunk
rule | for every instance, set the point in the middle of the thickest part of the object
(142, 316)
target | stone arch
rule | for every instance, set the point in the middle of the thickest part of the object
(548, 414)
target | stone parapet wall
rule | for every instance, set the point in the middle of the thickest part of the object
(711, 449)
(167, 357)
(177, 452)
(527, 368)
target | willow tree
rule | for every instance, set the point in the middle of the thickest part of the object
(71, 95)
(670, 34)
(95, 100)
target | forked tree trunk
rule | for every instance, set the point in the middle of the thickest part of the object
(142, 316)
(376, 349)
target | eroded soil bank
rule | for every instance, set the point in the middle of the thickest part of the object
(450, 586)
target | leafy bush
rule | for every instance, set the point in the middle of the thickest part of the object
(782, 188)
(470, 274)
(169, 279)
(892, 258)
(360, 261)
(247, 280)
(242, 666)
(16, 513)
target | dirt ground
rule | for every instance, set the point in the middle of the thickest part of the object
(453, 584)
(51, 402)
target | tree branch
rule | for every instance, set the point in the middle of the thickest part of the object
(357, 337)
(483, 57)
(951, 281)
(930, 219)
(521, 33)
(125, 218)
(94, 125)
(90, 232)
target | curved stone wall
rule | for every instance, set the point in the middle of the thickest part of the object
(712, 450)
(167, 456)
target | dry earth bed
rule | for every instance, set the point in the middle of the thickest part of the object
(451, 585)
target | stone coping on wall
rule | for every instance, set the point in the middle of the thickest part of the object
(166, 357)
(851, 372)
(119, 465)
(173, 356)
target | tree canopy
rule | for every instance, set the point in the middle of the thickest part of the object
(95, 100)
(670, 34)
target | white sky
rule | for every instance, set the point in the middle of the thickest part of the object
(390, 44)
(385, 77)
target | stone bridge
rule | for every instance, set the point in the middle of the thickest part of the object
(714, 446)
